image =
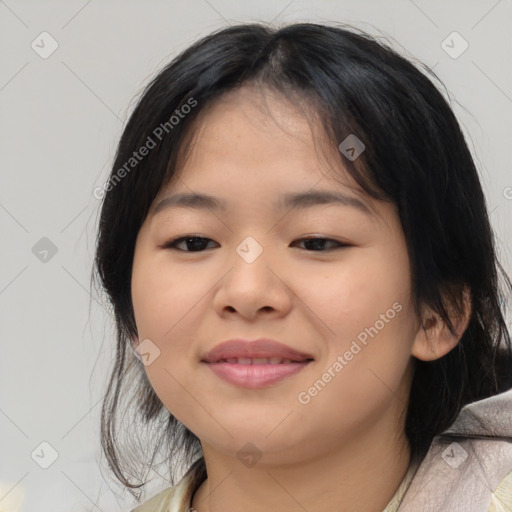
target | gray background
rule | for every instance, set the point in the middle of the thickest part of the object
(60, 120)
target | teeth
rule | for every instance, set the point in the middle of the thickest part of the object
(257, 360)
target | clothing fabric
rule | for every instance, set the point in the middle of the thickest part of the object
(460, 472)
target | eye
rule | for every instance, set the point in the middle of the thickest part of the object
(317, 244)
(197, 243)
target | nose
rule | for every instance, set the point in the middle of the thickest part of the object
(253, 290)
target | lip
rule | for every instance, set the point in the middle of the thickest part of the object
(262, 347)
(253, 376)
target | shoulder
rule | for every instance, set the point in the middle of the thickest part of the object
(159, 503)
(469, 465)
(178, 497)
(473, 474)
(501, 498)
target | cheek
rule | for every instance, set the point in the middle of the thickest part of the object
(167, 304)
(362, 375)
(161, 317)
(353, 294)
(366, 308)
(162, 298)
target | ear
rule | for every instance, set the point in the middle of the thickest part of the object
(433, 339)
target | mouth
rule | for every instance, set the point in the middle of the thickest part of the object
(255, 364)
(260, 360)
(254, 375)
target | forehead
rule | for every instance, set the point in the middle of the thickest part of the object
(255, 123)
(257, 105)
(252, 145)
(253, 132)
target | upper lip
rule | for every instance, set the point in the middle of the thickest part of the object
(261, 348)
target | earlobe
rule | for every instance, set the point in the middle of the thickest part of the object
(433, 338)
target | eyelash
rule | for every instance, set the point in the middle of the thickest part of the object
(172, 243)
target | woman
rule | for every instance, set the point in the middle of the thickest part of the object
(285, 373)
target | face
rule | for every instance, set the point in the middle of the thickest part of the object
(343, 298)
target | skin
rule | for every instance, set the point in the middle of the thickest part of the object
(249, 149)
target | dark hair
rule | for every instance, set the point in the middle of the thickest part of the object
(415, 156)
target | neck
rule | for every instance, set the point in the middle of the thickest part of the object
(360, 475)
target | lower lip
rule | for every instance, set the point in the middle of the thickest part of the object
(253, 376)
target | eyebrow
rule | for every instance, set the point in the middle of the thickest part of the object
(290, 201)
